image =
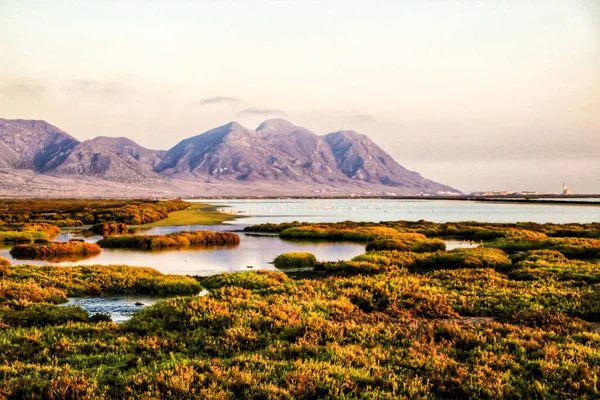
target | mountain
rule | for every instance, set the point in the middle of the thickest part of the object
(123, 146)
(43, 148)
(32, 144)
(276, 151)
(282, 152)
(92, 158)
(358, 157)
(276, 158)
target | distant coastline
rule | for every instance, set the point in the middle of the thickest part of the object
(538, 199)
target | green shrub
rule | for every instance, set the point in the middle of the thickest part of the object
(402, 243)
(479, 257)
(388, 245)
(553, 265)
(252, 280)
(30, 291)
(295, 260)
(354, 267)
(4, 264)
(42, 315)
(333, 232)
(540, 318)
(584, 248)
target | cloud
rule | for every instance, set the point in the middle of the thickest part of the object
(219, 100)
(24, 88)
(97, 88)
(261, 112)
(362, 119)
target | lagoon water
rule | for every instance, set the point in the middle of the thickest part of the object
(376, 210)
(255, 251)
(259, 251)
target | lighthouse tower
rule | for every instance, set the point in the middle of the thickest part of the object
(566, 191)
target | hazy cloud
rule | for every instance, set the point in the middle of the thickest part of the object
(97, 88)
(24, 87)
(261, 112)
(362, 119)
(220, 100)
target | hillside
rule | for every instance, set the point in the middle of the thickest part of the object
(276, 158)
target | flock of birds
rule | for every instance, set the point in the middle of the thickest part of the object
(273, 208)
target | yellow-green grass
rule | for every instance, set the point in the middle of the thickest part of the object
(295, 260)
(196, 214)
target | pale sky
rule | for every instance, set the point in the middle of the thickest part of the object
(479, 95)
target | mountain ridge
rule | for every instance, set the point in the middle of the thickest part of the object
(276, 154)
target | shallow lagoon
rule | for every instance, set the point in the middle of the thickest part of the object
(255, 251)
(376, 210)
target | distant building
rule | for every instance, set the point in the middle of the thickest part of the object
(495, 193)
(447, 193)
(566, 190)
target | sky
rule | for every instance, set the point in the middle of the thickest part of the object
(479, 95)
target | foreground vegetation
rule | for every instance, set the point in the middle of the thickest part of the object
(179, 239)
(399, 321)
(101, 280)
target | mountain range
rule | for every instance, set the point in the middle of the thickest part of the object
(278, 158)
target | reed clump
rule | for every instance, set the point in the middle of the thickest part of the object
(109, 228)
(180, 239)
(54, 250)
(295, 260)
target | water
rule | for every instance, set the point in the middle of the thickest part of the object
(460, 244)
(120, 308)
(255, 251)
(376, 210)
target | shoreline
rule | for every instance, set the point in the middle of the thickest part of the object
(561, 200)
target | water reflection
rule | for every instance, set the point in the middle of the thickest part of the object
(71, 258)
(255, 251)
(452, 244)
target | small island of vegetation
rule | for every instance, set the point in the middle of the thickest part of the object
(179, 239)
(295, 260)
(54, 250)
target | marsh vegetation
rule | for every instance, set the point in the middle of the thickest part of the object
(406, 319)
(179, 239)
(54, 250)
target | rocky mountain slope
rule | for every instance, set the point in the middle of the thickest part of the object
(280, 151)
(34, 145)
(276, 155)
